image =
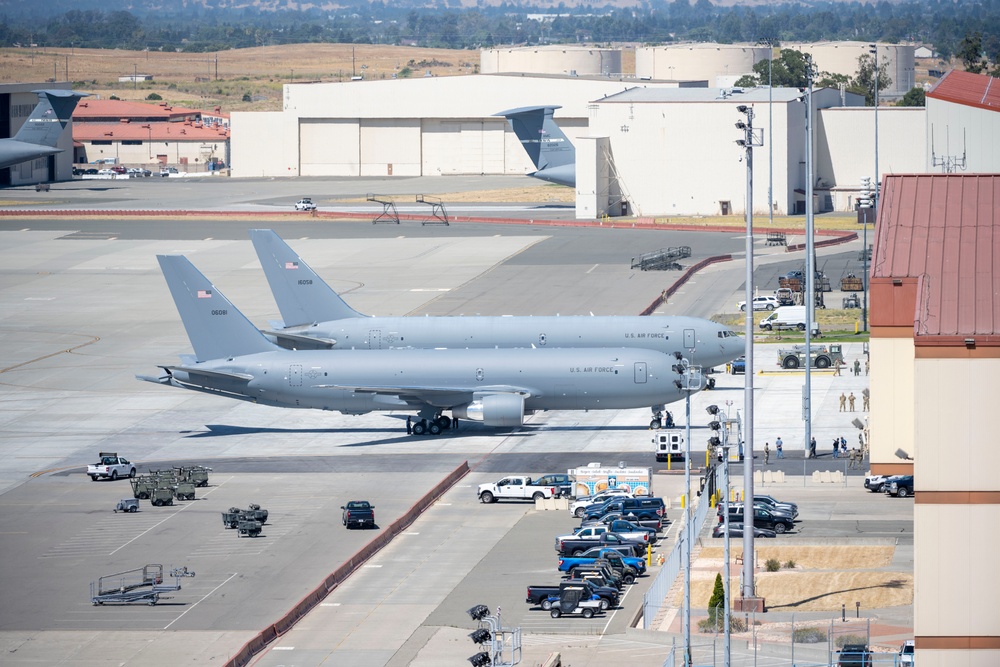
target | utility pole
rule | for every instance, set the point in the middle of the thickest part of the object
(810, 263)
(873, 49)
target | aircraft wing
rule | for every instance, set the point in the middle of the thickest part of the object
(443, 397)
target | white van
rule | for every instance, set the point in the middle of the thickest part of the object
(785, 317)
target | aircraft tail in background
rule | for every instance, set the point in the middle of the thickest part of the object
(49, 119)
(302, 296)
(550, 150)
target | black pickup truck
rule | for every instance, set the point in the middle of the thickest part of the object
(855, 655)
(539, 595)
(359, 513)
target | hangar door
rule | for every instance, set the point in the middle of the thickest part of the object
(463, 147)
(329, 147)
(390, 147)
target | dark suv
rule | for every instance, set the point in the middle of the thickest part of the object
(642, 509)
(900, 486)
(762, 518)
(855, 655)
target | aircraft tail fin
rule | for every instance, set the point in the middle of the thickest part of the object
(49, 119)
(550, 150)
(217, 330)
(301, 295)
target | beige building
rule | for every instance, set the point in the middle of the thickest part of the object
(963, 124)
(698, 61)
(935, 359)
(842, 58)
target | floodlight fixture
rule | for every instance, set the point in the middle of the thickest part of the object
(479, 612)
(481, 659)
(714, 425)
(742, 108)
(740, 125)
(481, 636)
(712, 409)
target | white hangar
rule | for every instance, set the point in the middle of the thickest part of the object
(408, 127)
(674, 152)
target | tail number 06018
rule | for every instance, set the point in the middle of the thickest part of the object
(220, 312)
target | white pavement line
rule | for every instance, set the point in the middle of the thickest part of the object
(157, 524)
(592, 268)
(204, 597)
(621, 606)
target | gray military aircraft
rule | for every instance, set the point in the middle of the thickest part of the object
(40, 133)
(315, 316)
(497, 387)
(550, 150)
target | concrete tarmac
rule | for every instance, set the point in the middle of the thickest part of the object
(85, 309)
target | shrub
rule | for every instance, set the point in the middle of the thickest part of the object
(154, 96)
(808, 636)
(790, 565)
(246, 97)
(714, 625)
(850, 639)
(772, 565)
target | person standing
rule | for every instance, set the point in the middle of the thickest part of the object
(777, 448)
(836, 448)
(857, 368)
(843, 446)
(812, 447)
(850, 399)
(767, 452)
(843, 401)
(854, 458)
(866, 365)
(865, 397)
(837, 363)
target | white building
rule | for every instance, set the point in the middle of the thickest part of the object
(408, 127)
(963, 124)
(674, 152)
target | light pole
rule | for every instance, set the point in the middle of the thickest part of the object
(751, 139)
(810, 265)
(690, 380)
(865, 204)
(873, 49)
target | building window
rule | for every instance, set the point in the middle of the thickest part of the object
(101, 142)
(131, 142)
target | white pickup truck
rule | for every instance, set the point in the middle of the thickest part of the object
(518, 487)
(111, 466)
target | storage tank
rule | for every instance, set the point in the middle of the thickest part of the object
(556, 59)
(842, 58)
(697, 61)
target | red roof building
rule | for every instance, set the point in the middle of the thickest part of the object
(973, 90)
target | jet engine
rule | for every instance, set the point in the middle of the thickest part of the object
(494, 410)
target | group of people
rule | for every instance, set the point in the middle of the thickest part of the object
(838, 363)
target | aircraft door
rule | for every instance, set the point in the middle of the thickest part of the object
(375, 339)
(640, 372)
(295, 375)
(689, 339)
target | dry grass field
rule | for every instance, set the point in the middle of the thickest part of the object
(824, 577)
(206, 80)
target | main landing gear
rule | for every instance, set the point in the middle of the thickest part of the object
(661, 418)
(432, 426)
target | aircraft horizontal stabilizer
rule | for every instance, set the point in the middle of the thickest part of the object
(294, 342)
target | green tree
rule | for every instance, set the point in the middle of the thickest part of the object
(915, 97)
(864, 82)
(154, 96)
(787, 70)
(970, 52)
(717, 601)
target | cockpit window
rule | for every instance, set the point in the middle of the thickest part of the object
(727, 334)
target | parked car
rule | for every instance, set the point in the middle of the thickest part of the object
(111, 466)
(643, 508)
(762, 518)
(575, 599)
(621, 564)
(543, 595)
(775, 504)
(139, 172)
(563, 484)
(766, 302)
(738, 366)
(855, 655)
(777, 511)
(305, 204)
(359, 513)
(875, 483)
(736, 530)
(580, 505)
(168, 171)
(900, 486)
(518, 487)
(608, 519)
(906, 653)
(92, 171)
(597, 536)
